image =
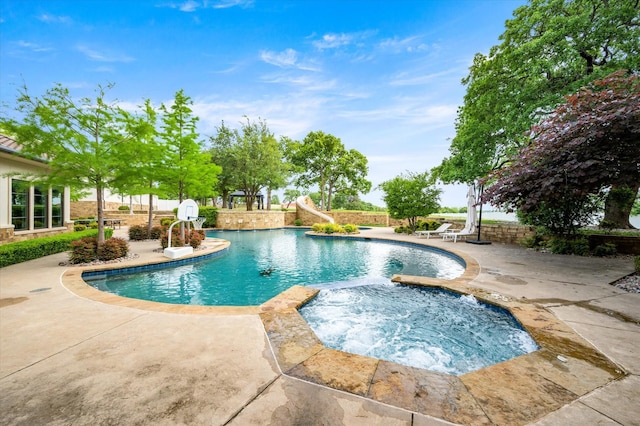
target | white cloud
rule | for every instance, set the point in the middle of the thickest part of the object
(284, 59)
(33, 47)
(224, 4)
(189, 6)
(411, 79)
(404, 45)
(334, 40)
(103, 56)
(45, 17)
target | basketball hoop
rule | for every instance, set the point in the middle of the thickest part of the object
(198, 222)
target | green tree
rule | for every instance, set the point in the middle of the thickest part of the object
(252, 158)
(187, 171)
(548, 50)
(587, 148)
(411, 196)
(82, 140)
(145, 158)
(222, 154)
(321, 159)
(290, 196)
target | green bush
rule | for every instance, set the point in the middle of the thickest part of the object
(211, 214)
(84, 250)
(195, 238)
(79, 227)
(350, 228)
(636, 262)
(167, 221)
(36, 248)
(606, 249)
(317, 227)
(297, 222)
(93, 225)
(156, 232)
(113, 248)
(138, 233)
(579, 246)
(123, 208)
(402, 229)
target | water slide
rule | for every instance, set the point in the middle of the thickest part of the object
(301, 203)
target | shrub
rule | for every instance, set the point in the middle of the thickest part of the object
(167, 221)
(176, 241)
(402, 230)
(138, 233)
(93, 225)
(84, 250)
(79, 227)
(606, 249)
(156, 232)
(113, 248)
(636, 262)
(350, 228)
(579, 246)
(21, 251)
(297, 222)
(317, 227)
(195, 238)
(124, 208)
(211, 215)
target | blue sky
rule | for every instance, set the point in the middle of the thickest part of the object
(383, 76)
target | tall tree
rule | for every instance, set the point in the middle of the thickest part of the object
(187, 171)
(145, 157)
(321, 159)
(410, 196)
(589, 146)
(252, 157)
(222, 154)
(81, 139)
(549, 49)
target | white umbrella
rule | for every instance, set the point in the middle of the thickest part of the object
(470, 224)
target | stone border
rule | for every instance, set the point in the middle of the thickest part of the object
(514, 392)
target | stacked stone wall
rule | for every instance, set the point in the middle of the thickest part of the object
(256, 219)
(7, 235)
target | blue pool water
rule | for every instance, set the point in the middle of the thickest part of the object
(420, 327)
(260, 265)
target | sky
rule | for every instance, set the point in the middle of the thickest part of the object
(383, 76)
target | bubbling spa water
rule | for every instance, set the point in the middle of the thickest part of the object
(416, 326)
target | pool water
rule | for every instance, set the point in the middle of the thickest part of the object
(260, 265)
(420, 327)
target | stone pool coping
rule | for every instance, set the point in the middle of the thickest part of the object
(516, 391)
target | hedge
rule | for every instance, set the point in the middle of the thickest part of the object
(22, 251)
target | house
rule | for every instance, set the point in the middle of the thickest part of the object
(29, 210)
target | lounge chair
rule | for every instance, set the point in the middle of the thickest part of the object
(442, 228)
(464, 233)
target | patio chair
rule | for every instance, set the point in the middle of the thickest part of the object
(442, 228)
(464, 233)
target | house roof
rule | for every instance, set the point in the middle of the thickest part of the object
(12, 147)
(8, 144)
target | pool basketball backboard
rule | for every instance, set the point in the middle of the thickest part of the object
(187, 210)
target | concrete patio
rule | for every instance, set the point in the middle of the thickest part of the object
(67, 358)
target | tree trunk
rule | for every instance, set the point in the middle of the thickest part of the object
(100, 200)
(150, 218)
(268, 198)
(618, 205)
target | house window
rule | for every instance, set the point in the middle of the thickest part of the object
(57, 195)
(40, 207)
(20, 204)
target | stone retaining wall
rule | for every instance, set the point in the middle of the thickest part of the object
(7, 235)
(257, 219)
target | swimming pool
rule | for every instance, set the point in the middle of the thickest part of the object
(261, 264)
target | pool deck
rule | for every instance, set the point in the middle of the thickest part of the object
(72, 355)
